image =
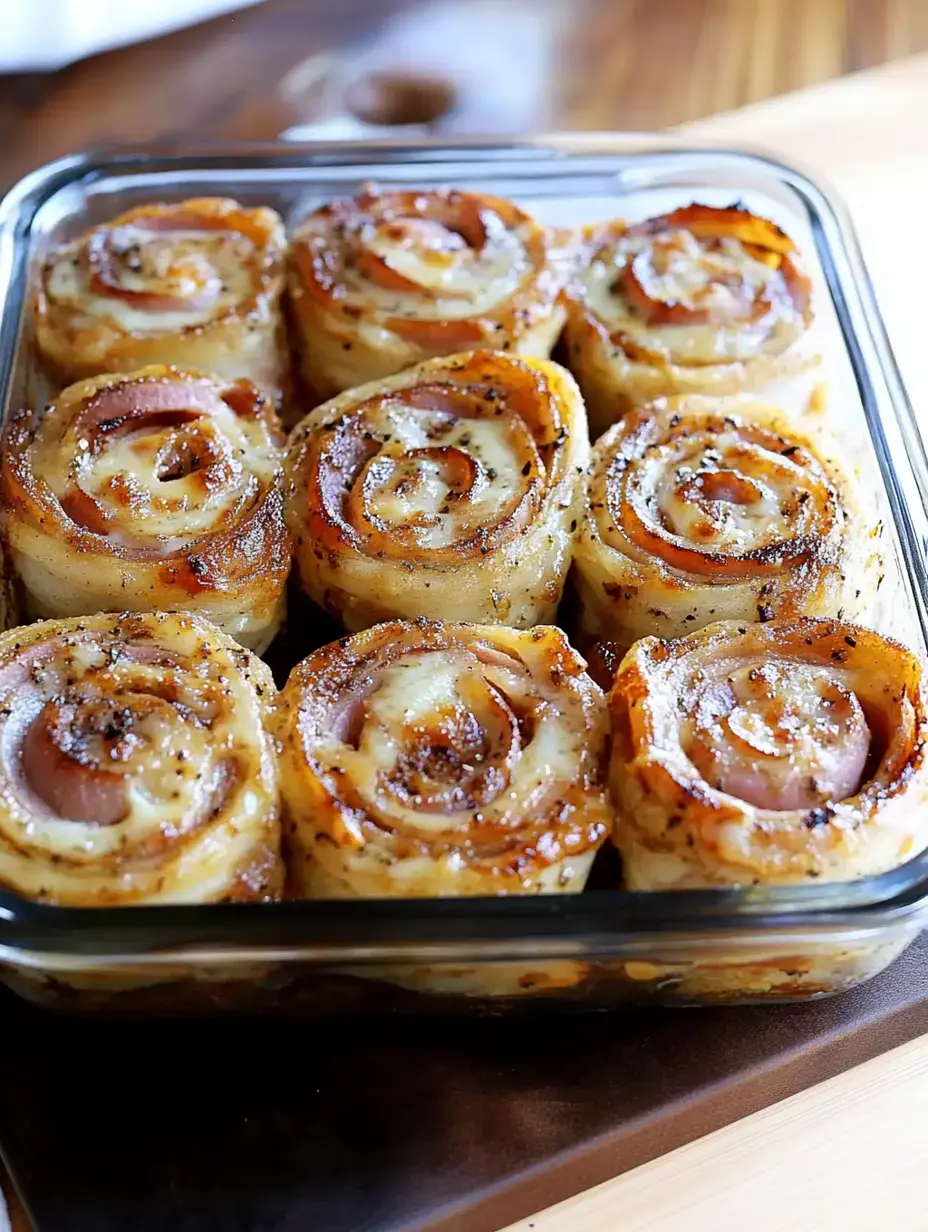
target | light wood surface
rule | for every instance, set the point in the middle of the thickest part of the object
(850, 1155)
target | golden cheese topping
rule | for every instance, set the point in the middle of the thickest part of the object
(159, 281)
(159, 459)
(151, 489)
(436, 476)
(697, 287)
(715, 494)
(768, 753)
(701, 509)
(443, 759)
(164, 269)
(453, 277)
(407, 262)
(448, 491)
(133, 763)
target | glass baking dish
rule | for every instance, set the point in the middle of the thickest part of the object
(598, 949)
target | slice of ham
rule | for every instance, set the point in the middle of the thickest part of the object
(35, 733)
(126, 401)
(71, 788)
(107, 257)
(781, 737)
(785, 783)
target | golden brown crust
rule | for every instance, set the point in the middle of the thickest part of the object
(153, 488)
(135, 766)
(449, 491)
(384, 280)
(698, 301)
(771, 753)
(701, 509)
(431, 759)
(196, 284)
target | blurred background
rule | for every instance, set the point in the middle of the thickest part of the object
(76, 73)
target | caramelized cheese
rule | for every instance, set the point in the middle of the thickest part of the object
(442, 759)
(134, 766)
(449, 491)
(382, 281)
(151, 488)
(768, 754)
(702, 509)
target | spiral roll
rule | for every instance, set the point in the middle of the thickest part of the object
(134, 765)
(196, 284)
(700, 509)
(450, 491)
(154, 489)
(768, 753)
(701, 300)
(384, 280)
(429, 759)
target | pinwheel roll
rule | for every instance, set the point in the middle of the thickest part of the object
(450, 491)
(771, 754)
(700, 510)
(423, 759)
(157, 489)
(196, 284)
(384, 280)
(702, 300)
(134, 764)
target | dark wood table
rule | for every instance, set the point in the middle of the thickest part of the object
(591, 64)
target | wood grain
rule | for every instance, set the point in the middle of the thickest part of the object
(599, 64)
(849, 1155)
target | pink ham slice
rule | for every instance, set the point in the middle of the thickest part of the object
(70, 789)
(781, 739)
(779, 784)
(136, 399)
(47, 781)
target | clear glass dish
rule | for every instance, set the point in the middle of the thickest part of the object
(603, 947)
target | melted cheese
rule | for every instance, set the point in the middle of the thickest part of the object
(177, 264)
(724, 493)
(710, 279)
(456, 283)
(190, 820)
(413, 694)
(430, 497)
(131, 478)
